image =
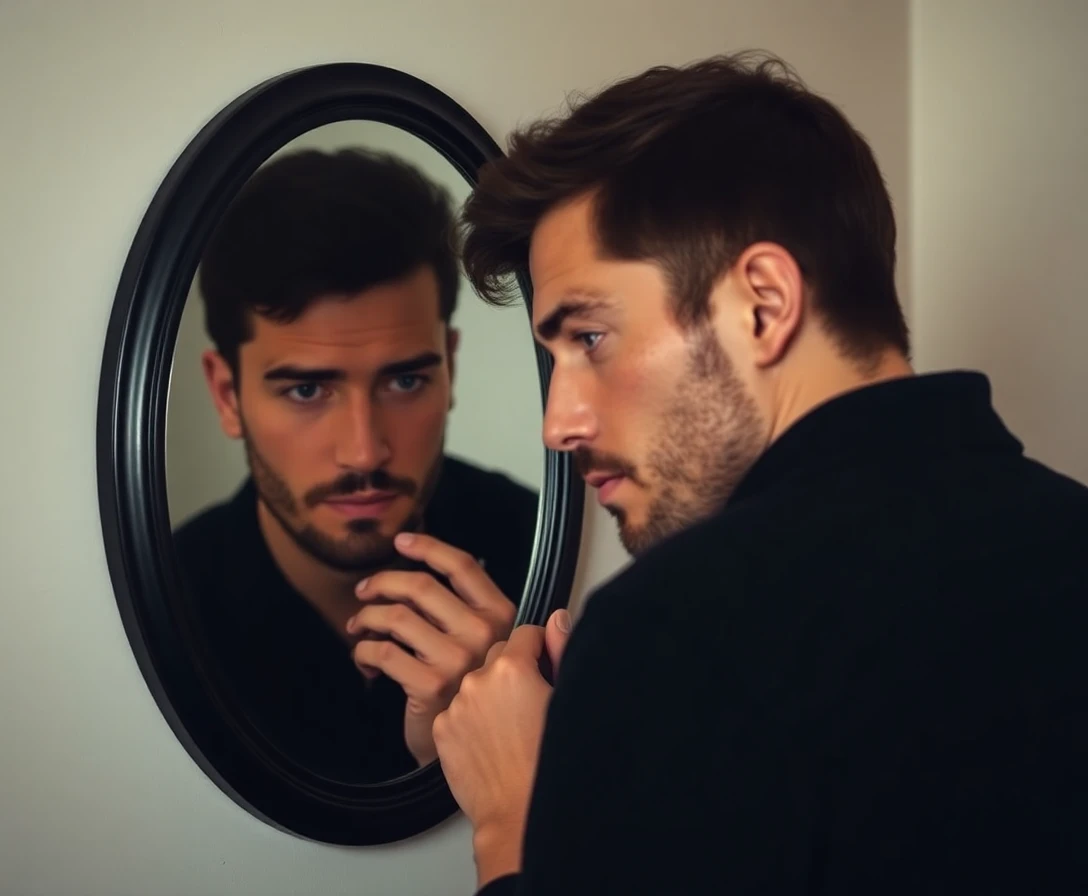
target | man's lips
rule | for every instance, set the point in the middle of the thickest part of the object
(362, 504)
(605, 483)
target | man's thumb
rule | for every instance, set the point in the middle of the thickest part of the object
(556, 635)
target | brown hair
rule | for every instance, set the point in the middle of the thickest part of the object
(310, 224)
(690, 165)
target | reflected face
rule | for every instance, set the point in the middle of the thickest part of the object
(343, 412)
(658, 420)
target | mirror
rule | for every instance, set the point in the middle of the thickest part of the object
(293, 458)
(296, 371)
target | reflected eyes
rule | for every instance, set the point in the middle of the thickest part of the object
(400, 385)
(304, 393)
(406, 383)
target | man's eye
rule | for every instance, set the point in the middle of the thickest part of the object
(589, 340)
(407, 382)
(304, 393)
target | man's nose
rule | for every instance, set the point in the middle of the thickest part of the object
(569, 417)
(361, 443)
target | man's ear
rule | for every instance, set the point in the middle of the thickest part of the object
(222, 386)
(453, 340)
(775, 294)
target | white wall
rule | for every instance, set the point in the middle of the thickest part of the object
(496, 419)
(96, 101)
(999, 145)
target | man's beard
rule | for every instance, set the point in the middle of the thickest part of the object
(364, 547)
(705, 444)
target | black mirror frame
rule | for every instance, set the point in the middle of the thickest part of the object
(131, 445)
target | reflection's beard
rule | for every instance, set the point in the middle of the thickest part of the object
(364, 546)
(705, 444)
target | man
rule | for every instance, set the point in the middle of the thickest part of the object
(848, 657)
(329, 287)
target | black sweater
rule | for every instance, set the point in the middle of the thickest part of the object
(867, 675)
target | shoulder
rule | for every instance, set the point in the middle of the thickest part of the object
(207, 533)
(712, 564)
(491, 485)
(661, 637)
(468, 493)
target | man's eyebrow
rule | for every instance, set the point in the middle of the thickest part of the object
(297, 374)
(411, 365)
(578, 304)
(303, 374)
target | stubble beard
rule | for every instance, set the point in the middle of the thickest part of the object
(706, 442)
(364, 546)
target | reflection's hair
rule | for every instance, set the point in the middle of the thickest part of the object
(687, 167)
(312, 223)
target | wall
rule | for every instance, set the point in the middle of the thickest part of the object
(96, 100)
(496, 419)
(999, 139)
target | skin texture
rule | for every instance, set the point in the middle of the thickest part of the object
(350, 401)
(679, 414)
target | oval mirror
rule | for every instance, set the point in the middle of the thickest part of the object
(295, 371)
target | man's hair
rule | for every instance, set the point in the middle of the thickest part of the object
(313, 224)
(687, 167)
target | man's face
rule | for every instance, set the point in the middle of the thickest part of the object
(343, 414)
(659, 422)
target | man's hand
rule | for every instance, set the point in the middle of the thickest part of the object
(488, 742)
(448, 633)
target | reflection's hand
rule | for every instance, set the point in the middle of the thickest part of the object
(488, 742)
(449, 632)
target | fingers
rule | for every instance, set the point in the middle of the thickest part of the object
(423, 684)
(418, 589)
(524, 647)
(476, 630)
(495, 651)
(465, 575)
(401, 622)
(526, 652)
(526, 642)
(556, 635)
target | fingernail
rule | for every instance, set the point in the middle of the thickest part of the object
(562, 620)
(351, 626)
(361, 587)
(404, 539)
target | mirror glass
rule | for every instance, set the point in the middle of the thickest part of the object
(319, 402)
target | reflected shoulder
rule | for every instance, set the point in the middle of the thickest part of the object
(462, 474)
(207, 529)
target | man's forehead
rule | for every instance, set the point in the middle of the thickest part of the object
(563, 237)
(347, 334)
(342, 319)
(562, 256)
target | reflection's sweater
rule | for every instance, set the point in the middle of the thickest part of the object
(275, 659)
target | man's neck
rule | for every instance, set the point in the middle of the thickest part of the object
(821, 381)
(329, 591)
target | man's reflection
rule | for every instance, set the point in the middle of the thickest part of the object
(328, 290)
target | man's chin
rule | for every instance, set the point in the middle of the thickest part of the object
(638, 538)
(355, 561)
(632, 537)
(351, 552)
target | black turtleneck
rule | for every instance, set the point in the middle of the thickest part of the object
(868, 674)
